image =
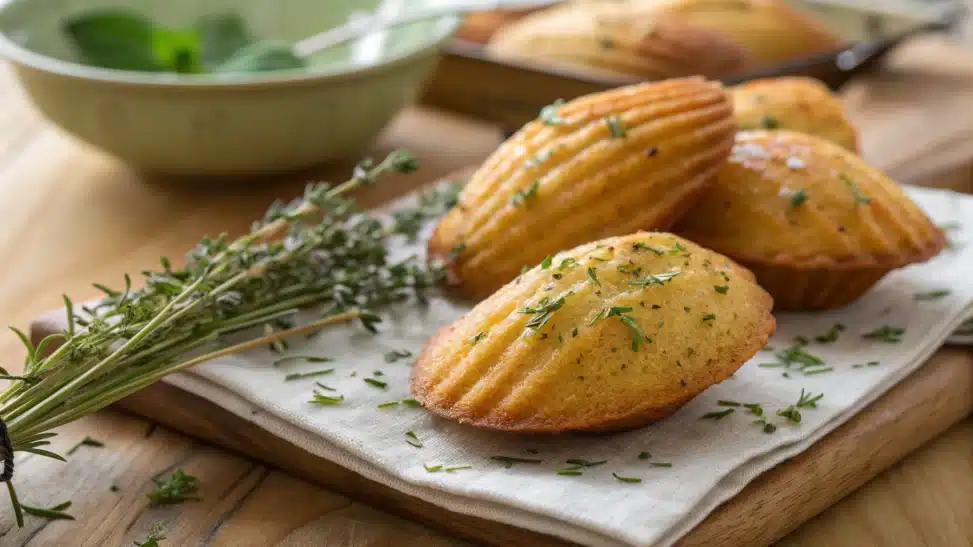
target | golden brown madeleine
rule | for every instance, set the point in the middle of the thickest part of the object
(771, 30)
(796, 104)
(815, 223)
(606, 164)
(609, 335)
(621, 37)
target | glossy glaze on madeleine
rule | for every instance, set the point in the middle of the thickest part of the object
(605, 164)
(609, 335)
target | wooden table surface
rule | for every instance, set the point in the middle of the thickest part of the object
(70, 216)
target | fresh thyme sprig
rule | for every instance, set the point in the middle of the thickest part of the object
(315, 255)
(179, 487)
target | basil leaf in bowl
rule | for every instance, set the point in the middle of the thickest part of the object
(116, 39)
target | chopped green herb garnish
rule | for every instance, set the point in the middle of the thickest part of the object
(567, 263)
(375, 383)
(432, 468)
(388, 404)
(728, 403)
(798, 354)
(709, 317)
(637, 334)
(411, 403)
(891, 335)
(456, 251)
(593, 276)
(156, 534)
(570, 472)
(395, 355)
(54, 513)
(798, 198)
(809, 372)
(638, 245)
(655, 279)
(549, 113)
(933, 295)
(615, 127)
(860, 198)
(660, 464)
(522, 195)
(831, 335)
(413, 439)
(326, 400)
(509, 461)
(858, 365)
(179, 487)
(457, 468)
(546, 263)
(87, 441)
(626, 479)
(305, 358)
(301, 375)
(598, 316)
(808, 400)
(791, 413)
(479, 336)
(717, 415)
(722, 289)
(542, 312)
(677, 248)
(574, 332)
(769, 122)
(322, 386)
(644, 455)
(585, 463)
(754, 408)
(873, 363)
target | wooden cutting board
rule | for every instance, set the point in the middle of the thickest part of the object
(932, 399)
(915, 411)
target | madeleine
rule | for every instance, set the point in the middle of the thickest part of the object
(815, 223)
(610, 335)
(621, 37)
(606, 164)
(795, 104)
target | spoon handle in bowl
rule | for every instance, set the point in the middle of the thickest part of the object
(357, 27)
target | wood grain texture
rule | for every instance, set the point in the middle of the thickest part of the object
(71, 216)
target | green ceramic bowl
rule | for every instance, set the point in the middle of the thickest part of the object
(225, 124)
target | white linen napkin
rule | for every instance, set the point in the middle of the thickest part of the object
(711, 460)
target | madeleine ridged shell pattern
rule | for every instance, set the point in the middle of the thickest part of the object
(816, 223)
(804, 105)
(606, 164)
(609, 335)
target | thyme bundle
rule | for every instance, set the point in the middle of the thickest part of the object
(316, 255)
